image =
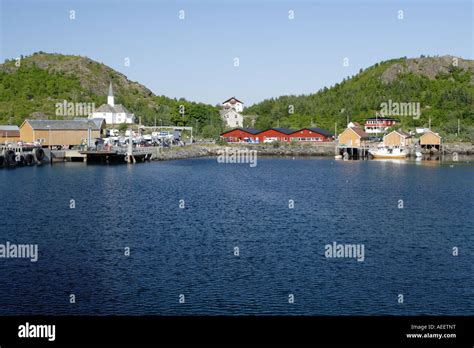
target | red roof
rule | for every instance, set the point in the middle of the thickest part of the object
(232, 100)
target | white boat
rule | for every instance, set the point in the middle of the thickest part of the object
(386, 152)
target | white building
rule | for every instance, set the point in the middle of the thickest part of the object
(231, 113)
(113, 113)
(232, 118)
(233, 103)
(353, 125)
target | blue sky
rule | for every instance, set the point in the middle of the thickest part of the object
(194, 57)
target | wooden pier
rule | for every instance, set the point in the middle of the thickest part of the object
(353, 152)
(121, 154)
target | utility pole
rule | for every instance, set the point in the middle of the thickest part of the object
(335, 130)
(429, 122)
(459, 127)
(49, 144)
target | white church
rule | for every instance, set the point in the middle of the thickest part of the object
(113, 113)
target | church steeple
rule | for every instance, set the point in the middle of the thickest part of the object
(110, 97)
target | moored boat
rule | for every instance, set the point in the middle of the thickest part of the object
(386, 152)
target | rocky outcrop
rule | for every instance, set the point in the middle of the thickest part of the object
(427, 66)
(459, 148)
(262, 150)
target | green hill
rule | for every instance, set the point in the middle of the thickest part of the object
(444, 91)
(42, 80)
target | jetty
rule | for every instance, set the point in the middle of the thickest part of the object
(118, 154)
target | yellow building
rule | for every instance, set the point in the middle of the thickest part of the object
(9, 134)
(353, 137)
(61, 132)
(397, 138)
(430, 140)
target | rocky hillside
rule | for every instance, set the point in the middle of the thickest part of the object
(430, 67)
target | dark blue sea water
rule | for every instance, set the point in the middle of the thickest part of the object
(191, 251)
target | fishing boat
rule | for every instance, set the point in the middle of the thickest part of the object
(387, 152)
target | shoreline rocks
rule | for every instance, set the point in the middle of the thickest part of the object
(320, 150)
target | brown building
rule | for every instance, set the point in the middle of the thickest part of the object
(61, 132)
(9, 134)
(430, 140)
(353, 137)
(397, 138)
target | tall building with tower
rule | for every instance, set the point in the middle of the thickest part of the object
(113, 113)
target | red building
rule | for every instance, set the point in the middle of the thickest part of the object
(250, 135)
(379, 124)
(240, 134)
(274, 134)
(311, 135)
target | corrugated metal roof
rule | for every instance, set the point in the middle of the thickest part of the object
(63, 124)
(9, 128)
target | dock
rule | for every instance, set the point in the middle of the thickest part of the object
(354, 152)
(121, 154)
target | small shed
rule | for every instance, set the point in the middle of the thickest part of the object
(398, 138)
(9, 134)
(430, 140)
(353, 137)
